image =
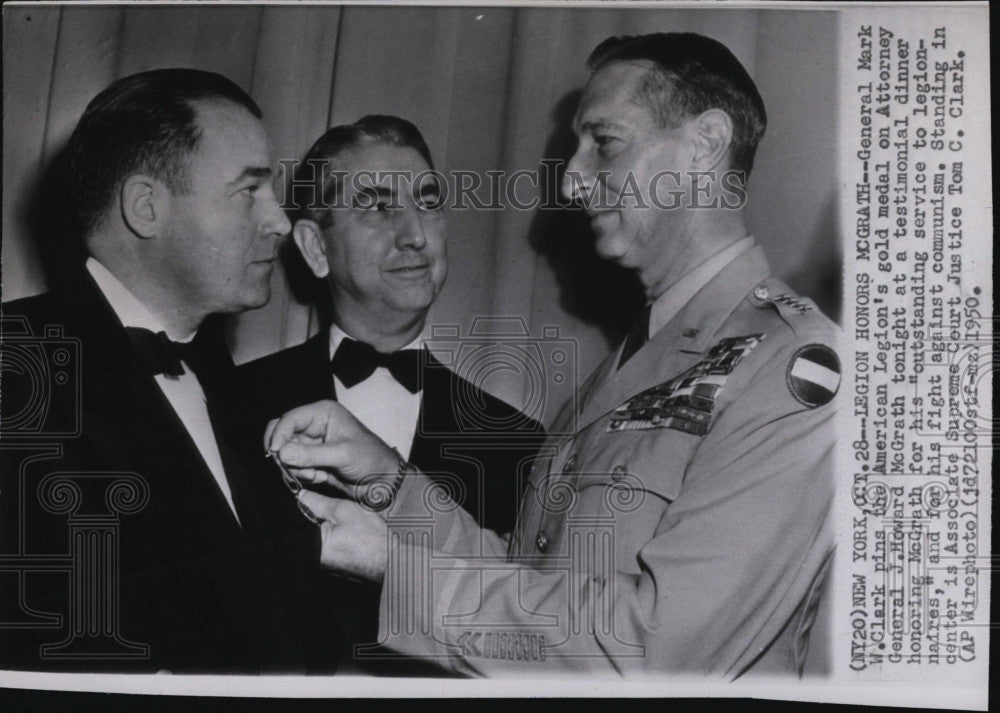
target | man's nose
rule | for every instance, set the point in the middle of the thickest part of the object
(412, 232)
(576, 181)
(276, 223)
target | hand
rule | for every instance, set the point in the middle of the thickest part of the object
(354, 539)
(324, 443)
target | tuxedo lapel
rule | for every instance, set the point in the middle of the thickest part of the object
(311, 375)
(680, 343)
(437, 415)
(130, 420)
(316, 373)
(224, 402)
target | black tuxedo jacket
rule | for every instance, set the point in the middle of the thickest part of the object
(463, 433)
(204, 592)
(474, 444)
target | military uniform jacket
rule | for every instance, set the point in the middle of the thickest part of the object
(679, 523)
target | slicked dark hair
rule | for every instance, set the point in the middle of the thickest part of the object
(143, 123)
(692, 74)
(312, 175)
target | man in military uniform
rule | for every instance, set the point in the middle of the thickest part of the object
(682, 525)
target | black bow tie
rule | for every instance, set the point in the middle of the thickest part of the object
(356, 361)
(161, 355)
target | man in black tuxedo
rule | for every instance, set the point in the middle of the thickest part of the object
(168, 179)
(370, 225)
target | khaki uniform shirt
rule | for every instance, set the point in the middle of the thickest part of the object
(678, 523)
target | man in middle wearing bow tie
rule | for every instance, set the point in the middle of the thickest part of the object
(371, 226)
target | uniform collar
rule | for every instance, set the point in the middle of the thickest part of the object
(682, 341)
(697, 322)
(129, 310)
(673, 299)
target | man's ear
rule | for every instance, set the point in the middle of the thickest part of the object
(308, 237)
(144, 205)
(713, 135)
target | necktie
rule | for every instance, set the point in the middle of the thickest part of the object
(355, 361)
(637, 335)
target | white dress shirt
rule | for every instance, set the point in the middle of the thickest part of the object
(183, 392)
(673, 299)
(381, 403)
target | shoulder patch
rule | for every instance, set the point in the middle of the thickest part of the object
(813, 375)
